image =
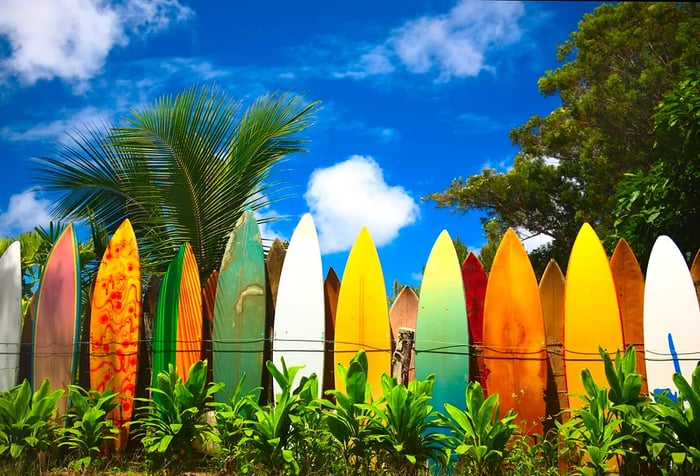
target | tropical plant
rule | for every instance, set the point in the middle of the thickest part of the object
(403, 430)
(281, 436)
(348, 418)
(182, 169)
(170, 425)
(88, 430)
(600, 432)
(234, 415)
(27, 424)
(670, 428)
(479, 436)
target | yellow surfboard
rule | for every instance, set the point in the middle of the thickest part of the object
(695, 274)
(629, 284)
(552, 297)
(362, 316)
(591, 313)
(514, 339)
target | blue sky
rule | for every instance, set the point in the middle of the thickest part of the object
(414, 94)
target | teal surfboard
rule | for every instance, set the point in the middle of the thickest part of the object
(239, 309)
(442, 337)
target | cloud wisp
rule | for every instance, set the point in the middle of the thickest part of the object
(24, 212)
(349, 195)
(71, 39)
(451, 45)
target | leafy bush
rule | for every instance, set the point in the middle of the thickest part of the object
(169, 426)
(88, 429)
(27, 424)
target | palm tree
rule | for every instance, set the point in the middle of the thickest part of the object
(182, 169)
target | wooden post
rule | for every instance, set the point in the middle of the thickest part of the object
(402, 361)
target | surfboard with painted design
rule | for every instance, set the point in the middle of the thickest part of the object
(671, 317)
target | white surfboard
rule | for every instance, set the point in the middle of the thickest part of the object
(671, 317)
(10, 315)
(300, 312)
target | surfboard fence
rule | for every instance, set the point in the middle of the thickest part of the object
(506, 329)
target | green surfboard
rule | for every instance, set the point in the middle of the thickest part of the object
(165, 321)
(239, 309)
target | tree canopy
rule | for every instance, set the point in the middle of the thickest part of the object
(616, 70)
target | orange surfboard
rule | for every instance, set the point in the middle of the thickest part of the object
(115, 324)
(189, 322)
(514, 337)
(695, 273)
(591, 313)
(552, 297)
(629, 284)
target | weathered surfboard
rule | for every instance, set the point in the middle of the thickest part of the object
(475, 279)
(442, 335)
(331, 289)
(591, 313)
(300, 312)
(115, 312)
(10, 315)
(629, 284)
(57, 317)
(273, 262)
(239, 309)
(671, 317)
(362, 317)
(403, 314)
(552, 298)
(514, 336)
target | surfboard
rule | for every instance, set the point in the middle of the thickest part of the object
(10, 315)
(514, 336)
(552, 298)
(695, 273)
(629, 284)
(591, 313)
(442, 334)
(177, 331)
(189, 316)
(331, 288)
(300, 310)
(671, 317)
(115, 311)
(475, 279)
(362, 317)
(57, 317)
(273, 263)
(403, 314)
(239, 309)
(208, 296)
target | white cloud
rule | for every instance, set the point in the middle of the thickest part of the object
(531, 241)
(351, 194)
(24, 212)
(71, 39)
(58, 128)
(455, 44)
